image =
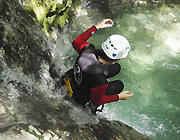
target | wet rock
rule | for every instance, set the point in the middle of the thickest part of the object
(6, 122)
(22, 45)
(58, 121)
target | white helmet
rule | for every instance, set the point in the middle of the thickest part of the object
(116, 47)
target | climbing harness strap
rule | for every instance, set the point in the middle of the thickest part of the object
(68, 84)
(67, 79)
(90, 105)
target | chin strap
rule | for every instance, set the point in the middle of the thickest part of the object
(94, 108)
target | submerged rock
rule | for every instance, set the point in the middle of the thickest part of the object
(27, 111)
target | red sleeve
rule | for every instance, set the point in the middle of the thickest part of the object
(80, 41)
(98, 95)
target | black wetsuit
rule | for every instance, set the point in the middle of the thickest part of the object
(89, 78)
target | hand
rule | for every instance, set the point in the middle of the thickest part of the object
(104, 23)
(125, 95)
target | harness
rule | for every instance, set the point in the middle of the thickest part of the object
(76, 72)
(68, 84)
(89, 105)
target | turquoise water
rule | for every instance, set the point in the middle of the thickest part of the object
(152, 72)
(151, 69)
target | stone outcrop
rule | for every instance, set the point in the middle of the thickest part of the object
(22, 43)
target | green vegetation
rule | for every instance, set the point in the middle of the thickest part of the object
(6, 109)
(52, 14)
(16, 118)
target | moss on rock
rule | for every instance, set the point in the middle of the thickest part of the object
(52, 13)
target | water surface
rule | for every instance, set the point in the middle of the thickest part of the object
(151, 69)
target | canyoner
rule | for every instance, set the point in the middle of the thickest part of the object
(87, 81)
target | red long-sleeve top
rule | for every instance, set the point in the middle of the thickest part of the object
(97, 95)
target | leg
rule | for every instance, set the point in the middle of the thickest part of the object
(113, 70)
(114, 87)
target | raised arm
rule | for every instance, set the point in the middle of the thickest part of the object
(80, 41)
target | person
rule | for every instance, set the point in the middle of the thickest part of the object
(93, 67)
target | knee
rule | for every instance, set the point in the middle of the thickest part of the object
(120, 85)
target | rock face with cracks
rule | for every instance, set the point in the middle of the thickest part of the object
(26, 112)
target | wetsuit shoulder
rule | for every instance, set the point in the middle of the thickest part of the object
(89, 62)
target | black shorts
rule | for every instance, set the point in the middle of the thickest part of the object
(116, 86)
